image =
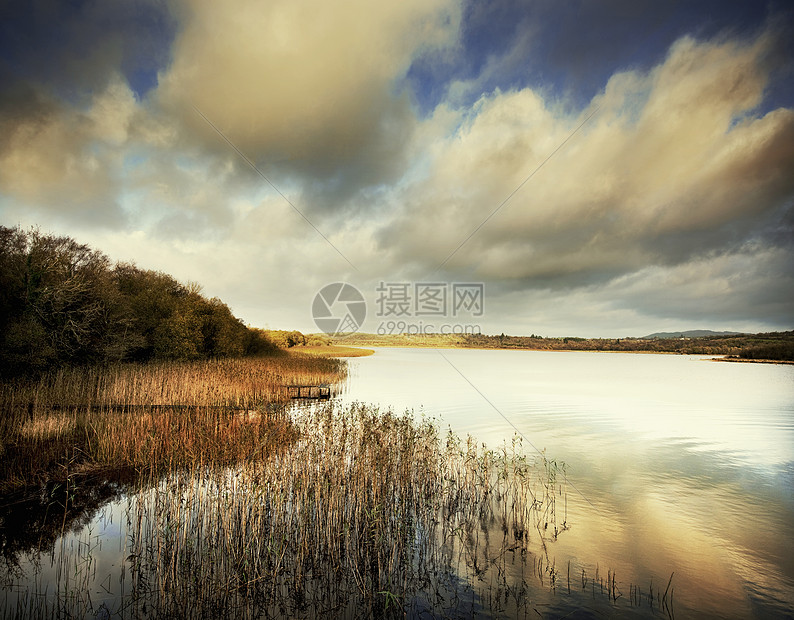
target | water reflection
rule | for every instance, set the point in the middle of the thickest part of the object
(683, 464)
(442, 527)
(34, 519)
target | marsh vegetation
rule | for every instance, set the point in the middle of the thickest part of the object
(228, 504)
(363, 513)
(155, 416)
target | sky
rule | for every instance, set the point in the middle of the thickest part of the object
(599, 168)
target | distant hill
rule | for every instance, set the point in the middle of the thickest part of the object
(692, 333)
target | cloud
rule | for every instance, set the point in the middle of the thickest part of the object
(60, 159)
(310, 89)
(570, 51)
(754, 281)
(674, 203)
(674, 164)
(74, 49)
(72, 76)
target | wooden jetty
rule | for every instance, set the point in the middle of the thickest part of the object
(316, 392)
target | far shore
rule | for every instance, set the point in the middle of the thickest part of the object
(772, 347)
(745, 360)
(473, 348)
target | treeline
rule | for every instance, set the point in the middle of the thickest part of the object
(62, 302)
(782, 350)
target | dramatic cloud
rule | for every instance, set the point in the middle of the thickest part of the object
(65, 160)
(673, 165)
(571, 52)
(314, 89)
(74, 49)
(72, 75)
(397, 128)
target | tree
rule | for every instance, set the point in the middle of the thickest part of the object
(62, 302)
(55, 299)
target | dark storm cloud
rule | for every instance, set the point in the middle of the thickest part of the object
(73, 49)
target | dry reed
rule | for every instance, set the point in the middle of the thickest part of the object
(244, 510)
(154, 416)
(366, 514)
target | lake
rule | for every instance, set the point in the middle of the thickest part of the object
(677, 465)
(679, 469)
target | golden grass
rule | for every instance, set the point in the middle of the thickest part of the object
(151, 417)
(246, 382)
(332, 351)
(48, 427)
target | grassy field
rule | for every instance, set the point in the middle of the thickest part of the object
(333, 350)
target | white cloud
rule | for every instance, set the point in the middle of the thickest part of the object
(309, 86)
(673, 164)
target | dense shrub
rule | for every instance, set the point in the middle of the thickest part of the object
(62, 302)
(770, 351)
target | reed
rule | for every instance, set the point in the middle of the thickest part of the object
(364, 514)
(244, 382)
(154, 416)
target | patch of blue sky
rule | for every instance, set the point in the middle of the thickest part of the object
(140, 208)
(134, 159)
(570, 50)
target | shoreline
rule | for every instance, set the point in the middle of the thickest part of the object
(334, 350)
(744, 360)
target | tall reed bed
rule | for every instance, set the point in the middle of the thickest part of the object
(366, 514)
(243, 382)
(154, 416)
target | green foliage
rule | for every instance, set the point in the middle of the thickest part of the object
(285, 339)
(62, 302)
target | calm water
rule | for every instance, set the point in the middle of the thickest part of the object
(678, 464)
